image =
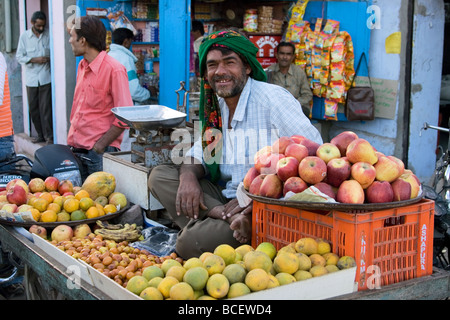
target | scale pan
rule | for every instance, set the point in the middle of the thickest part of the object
(149, 117)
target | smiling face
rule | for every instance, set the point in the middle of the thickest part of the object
(226, 73)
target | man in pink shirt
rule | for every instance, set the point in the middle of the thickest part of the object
(102, 84)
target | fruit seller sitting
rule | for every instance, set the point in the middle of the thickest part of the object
(239, 114)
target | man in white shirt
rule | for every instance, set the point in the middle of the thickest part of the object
(33, 52)
(120, 50)
(200, 195)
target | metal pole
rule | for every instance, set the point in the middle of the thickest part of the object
(8, 36)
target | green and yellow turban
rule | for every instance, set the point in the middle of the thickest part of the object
(209, 112)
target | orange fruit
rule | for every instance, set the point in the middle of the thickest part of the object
(101, 211)
(92, 212)
(59, 200)
(36, 214)
(54, 194)
(71, 204)
(69, 196)
(47, 196)
(86, 203)
(49, 216)
(31, 200)
(54, 206)
(63, 216)
(81, 194)
(110, 208)
(40, 204)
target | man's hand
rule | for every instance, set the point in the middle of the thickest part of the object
(232, 208)
(40, 60)
(189, 199)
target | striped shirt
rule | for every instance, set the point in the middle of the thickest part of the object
(6, 123)
(264, 113)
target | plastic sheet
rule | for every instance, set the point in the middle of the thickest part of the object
(160, 241)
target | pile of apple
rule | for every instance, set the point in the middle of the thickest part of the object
(18, 192)
(348, 169)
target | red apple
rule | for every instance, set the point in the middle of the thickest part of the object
(251, 174)
(297, 151)
(279, 146)
(10, 207)
(3, 197)
(38, 230)
(387, 169)
(51, 184)
(294, 184)
(310, 145)
(62, 232)
(379, 192)
(343, 139)
(399, 162)
(338, 170)
(269, 164)
(328, 151)
(36, 185)
(256, 185)
(326, 188)
(401, 189)
(298, 138)
(412, 179)
(360, 150)
(364, 173)
(263, 150)
(271, 187)
(312, 169)
(17, 195)
(350, 191)
(287, 167)
(19, 182)
(65, 186)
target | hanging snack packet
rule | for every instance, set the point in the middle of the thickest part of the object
(295, 14)
(337, 51)
(337, 70)
(331, 108)
(336, 90)
(332, 26)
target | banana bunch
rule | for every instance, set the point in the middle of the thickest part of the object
(118, 232)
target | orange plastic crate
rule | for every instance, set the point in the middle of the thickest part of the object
(389, 246)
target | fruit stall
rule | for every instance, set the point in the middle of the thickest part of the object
(333, 221)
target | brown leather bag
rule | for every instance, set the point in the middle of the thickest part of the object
(360, 101)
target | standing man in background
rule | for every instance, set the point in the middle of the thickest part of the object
(197, 34)
(7, 150)
(290, 76)
(102, 84)
(33, 52)
(120, 50)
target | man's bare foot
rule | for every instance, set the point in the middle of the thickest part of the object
(242, 227)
